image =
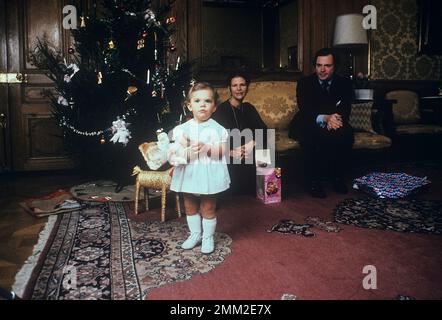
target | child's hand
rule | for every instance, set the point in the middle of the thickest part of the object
(200, 148)
(196, 150)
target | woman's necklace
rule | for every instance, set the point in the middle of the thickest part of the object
(234, 115)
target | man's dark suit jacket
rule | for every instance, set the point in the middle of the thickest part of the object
(313, 101)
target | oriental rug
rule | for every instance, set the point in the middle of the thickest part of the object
(416, 216)
(99, 253)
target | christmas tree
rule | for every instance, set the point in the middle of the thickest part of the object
(119, 84)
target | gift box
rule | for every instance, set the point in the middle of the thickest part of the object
(268, 184)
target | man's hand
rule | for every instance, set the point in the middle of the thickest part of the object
(334, 121)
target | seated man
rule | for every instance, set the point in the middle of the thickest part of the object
(321, 125)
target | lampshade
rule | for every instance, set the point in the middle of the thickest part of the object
(349, 31)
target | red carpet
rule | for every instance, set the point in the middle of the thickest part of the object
(327, 266)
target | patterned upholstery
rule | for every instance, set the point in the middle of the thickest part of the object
(283, 142)
(367, 140)
(406, 109)
(418, 129)
(360, 117)
(276, 103)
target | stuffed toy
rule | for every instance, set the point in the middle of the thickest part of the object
(158, 153)
(120, 133)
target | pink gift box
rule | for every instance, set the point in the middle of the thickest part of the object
(268, 184)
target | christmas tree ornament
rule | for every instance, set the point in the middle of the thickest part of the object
(140, 44)
(170, 20)
(99, 78)
(131, 91)
(71, 50)
(144, 34)
(82, 22)
(172, 47)
(155, 43)
(111, 44)
(120, 133)
(154, 94)
(62, 101)
(149, 16)
(71, 103)
(102, 140)
(72, 69)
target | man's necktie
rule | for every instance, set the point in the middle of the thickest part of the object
(325, 86)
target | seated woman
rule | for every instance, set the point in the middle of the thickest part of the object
(236, 114)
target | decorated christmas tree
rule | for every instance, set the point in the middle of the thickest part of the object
(120, 82)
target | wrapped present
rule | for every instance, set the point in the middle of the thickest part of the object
(268, 184)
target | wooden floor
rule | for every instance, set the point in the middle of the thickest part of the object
(19, 230)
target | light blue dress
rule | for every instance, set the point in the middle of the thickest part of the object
(203, 175)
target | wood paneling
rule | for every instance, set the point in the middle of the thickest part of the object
(5, 138)
(194, 32)
(36, 142)
(41, 21)
(322, 16)
(44, 137)
(180, 11)
(316, 28)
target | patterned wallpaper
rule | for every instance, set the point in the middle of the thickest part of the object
(394, 44)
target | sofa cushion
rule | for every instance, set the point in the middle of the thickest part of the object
(406, 108)
(360, 117)
(283, 142)
(367, 140)
(418, 129)
(274, 100)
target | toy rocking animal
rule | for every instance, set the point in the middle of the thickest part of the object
(154, 180)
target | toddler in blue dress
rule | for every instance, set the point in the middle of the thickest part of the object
(205, 174)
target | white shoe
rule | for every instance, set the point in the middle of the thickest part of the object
(192, 241)
(194, 224)
(209, 226)
(208, 245)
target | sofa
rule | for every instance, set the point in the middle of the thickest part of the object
(415, 130)
(276, 103)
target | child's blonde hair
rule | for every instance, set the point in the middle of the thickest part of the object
(202, 86)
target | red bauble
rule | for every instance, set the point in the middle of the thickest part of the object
(170, 20)
(172, 47)
(144, 34)
(71, 50)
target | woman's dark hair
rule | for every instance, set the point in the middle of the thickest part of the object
(237, 75)
(325, 52)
